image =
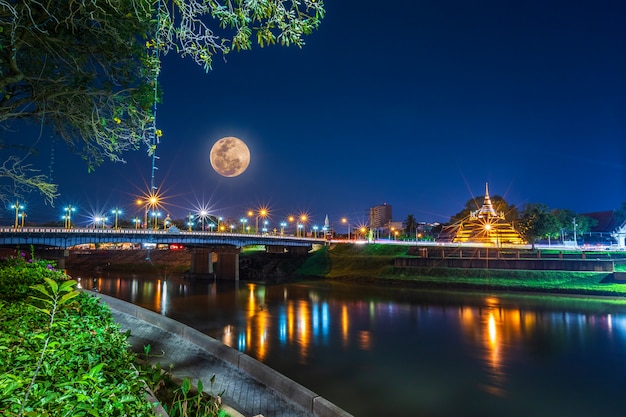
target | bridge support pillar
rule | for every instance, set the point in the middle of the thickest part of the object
(228, 266)
(201, 262)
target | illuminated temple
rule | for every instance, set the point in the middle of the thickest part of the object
(488, 226)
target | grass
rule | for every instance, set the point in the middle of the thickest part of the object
(374, 263)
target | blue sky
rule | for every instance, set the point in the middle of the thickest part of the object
(416, 105)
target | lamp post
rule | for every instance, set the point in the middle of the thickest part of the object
(68, 216)
(243, 224)
(262, 213)
(117, 212)
(155, 219)
(140, 202)
(282, 228)
(203, 214)
(303, 219)
(137, 221)
(17, 208)
(189, 222)
(291, 219)
(315, 231)
(345, 221)
(22, 216)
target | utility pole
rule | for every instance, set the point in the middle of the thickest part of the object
(575, 241)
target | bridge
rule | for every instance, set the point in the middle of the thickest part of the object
(59, 237)
(203, 245)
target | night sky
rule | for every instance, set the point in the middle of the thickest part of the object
(416, 105)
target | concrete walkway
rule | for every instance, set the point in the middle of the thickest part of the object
(249, 386)
(241, 392)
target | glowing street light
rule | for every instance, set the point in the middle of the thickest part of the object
(17, 207)
(315, 231)
(155, 219)
(117, 212)
(345, 221)
(137, 222)
(189, 221)
(282, 228)
(68, 216)
(22, 216)
(243, 223)
(262, 213)
(303, 219)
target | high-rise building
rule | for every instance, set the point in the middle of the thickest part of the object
(380, 216)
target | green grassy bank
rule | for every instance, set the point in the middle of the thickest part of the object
(373, 263)
(62, 354)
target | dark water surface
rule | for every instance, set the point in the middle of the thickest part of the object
(379, 351)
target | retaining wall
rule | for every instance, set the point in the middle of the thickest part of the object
(286, 387)
(522, 264)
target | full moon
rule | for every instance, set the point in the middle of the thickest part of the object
(230, 156)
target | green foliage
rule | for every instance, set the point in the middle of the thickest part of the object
(88, 69)
(18, 274)
(62, 354)
(316, 265)
(179, 399)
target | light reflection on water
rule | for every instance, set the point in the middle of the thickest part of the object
(376, 351)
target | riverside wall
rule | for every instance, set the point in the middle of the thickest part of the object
(289, 389)
(576, 265)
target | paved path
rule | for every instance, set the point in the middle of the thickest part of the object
(241, 392)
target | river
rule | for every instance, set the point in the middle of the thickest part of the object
(380, 351)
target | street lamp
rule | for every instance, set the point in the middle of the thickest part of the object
(243, 223)
(303, 219)
(17, 207)
(155, 219)
(315, 231)
(282, 228)
(262, 213)
(203, 214)
(137, 222)
(117, 212)
(345, 221)
(22, 216)
(68, 216)
(189, 221)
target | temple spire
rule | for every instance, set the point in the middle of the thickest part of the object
(487, 209)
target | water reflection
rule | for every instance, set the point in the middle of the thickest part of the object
(341, 341)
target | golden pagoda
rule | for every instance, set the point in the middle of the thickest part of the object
(487, 226)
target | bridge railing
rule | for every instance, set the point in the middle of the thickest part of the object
(152, 232)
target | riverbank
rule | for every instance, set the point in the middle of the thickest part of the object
(371, 263)
(375, 264)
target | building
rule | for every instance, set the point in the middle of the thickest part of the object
(487, 226)
(609, 229)
(380, 218)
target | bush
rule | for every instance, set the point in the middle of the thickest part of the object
(18, 274)
(61, 353)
